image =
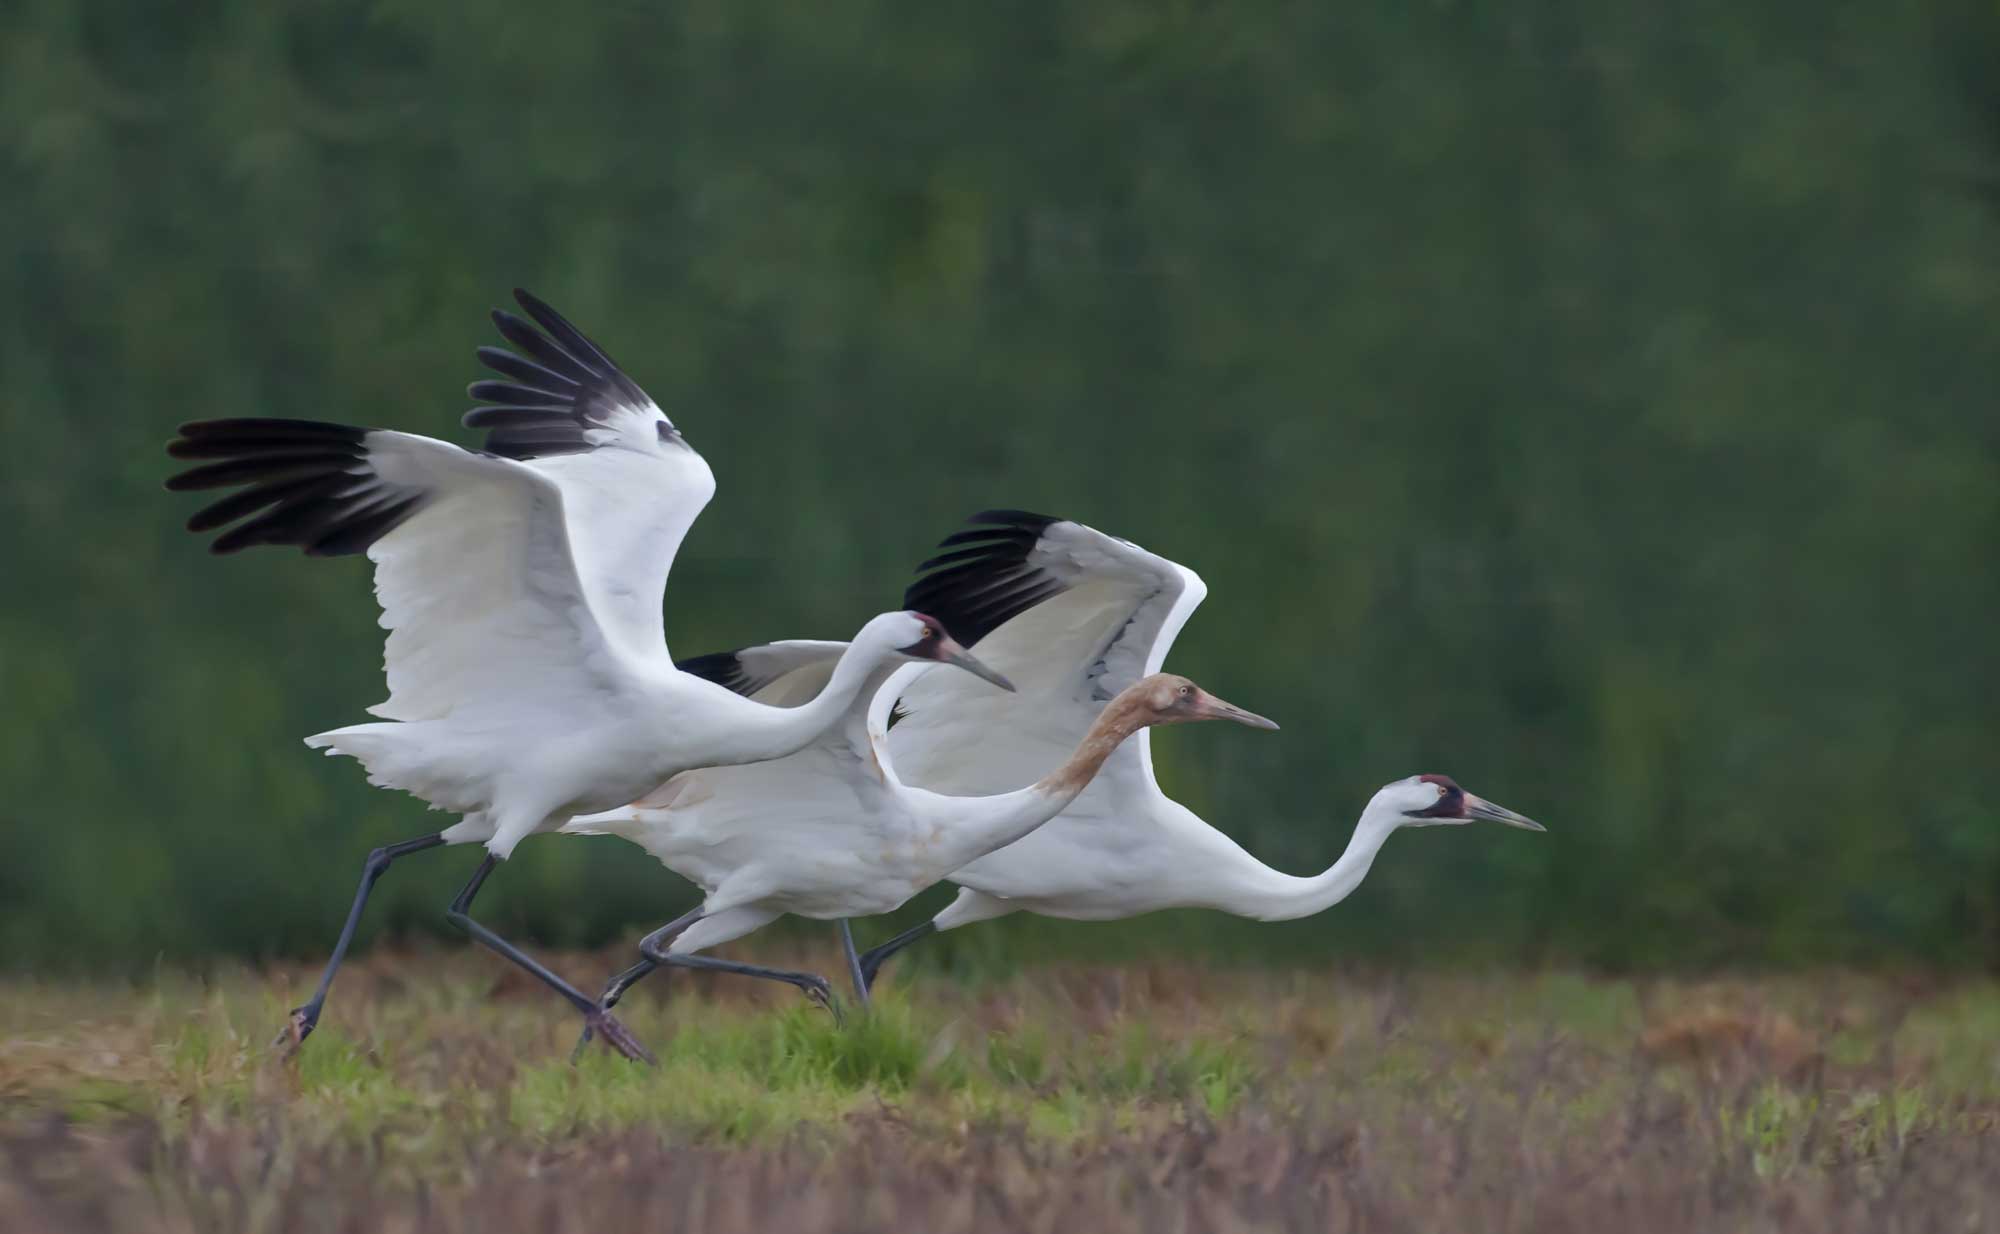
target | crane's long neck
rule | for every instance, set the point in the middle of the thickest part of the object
(1255, 890)
(984, 824)
(783, 730)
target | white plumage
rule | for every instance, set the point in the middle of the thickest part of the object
(528, 672)
(1072, 616)
(831, 831)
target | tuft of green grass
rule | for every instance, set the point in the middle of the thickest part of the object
(1139, 1062)
(554, 1101)
(1020, 1058)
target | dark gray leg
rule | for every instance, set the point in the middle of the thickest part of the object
(811, 984)
(632, 976)
(871, 963)
(853, 965)
(654, 948)
(306, 1018)
(623, 982)
(595, 1018)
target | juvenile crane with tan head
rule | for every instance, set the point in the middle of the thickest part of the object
(1072, 616)
(832, 832)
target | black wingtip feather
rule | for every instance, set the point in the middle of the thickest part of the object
(261, 465)
(525, 371)
(985, 580)
(506, 417)
(567, 336)
(305, 483)
(252, 499)
(355, 537)
(558, 372)
(724, 668)
(1020, 519)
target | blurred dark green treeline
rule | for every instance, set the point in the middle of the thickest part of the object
(1594, 402)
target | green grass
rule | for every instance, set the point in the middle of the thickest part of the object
(428, 1068)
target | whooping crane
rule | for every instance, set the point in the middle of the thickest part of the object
(528, 671)
(1072, 616)
(831, 832)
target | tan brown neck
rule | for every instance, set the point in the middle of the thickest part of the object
(1121, 717)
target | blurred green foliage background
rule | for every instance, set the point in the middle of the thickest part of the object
(1595, 402)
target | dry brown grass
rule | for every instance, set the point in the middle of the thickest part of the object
(1148, 1098)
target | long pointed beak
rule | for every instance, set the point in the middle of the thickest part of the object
(1213, 708)
(1486, 811)
(949, 652)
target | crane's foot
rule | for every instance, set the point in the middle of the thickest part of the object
(601, 1023)
(817, 991)
(298, 1026)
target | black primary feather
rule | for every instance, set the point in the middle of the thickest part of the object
(308, 484)
(985, 580)
(724, 668)
(560, 385)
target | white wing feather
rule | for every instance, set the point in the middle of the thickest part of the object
(628, 511)
(781, 674)
(1113, 621)
(479, 591)
(632, 486)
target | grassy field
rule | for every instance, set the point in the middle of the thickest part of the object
(438, 1095)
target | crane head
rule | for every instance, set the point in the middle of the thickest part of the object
(1438, 801)
(926, 639)
(1168, 698)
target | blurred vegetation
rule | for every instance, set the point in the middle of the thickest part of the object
(1593, 402)
(1201, 1098)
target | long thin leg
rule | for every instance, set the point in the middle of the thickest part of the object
(813, 985)
(623, 982)
(853, 965)
(615, 1034)
(306, 1018)
(871, 963)
(632, 976)
(654, 948)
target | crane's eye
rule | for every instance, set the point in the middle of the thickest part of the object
(1185, 691)
(928, 633)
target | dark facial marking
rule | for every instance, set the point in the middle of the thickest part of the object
(928, 639)
(1450, 802)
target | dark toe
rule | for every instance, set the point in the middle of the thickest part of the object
(293, 1035)
(620, 1038)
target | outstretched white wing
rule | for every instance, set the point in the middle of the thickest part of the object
(1069, 614)
(631, 484)
(567, 521)
(473, 569)
(783, 674)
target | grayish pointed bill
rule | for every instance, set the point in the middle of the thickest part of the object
(954, 654)
(1216, 709)
(1488, 812)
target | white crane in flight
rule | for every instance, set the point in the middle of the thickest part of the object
(831, 832)
(1073, 616)
(528, 671)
